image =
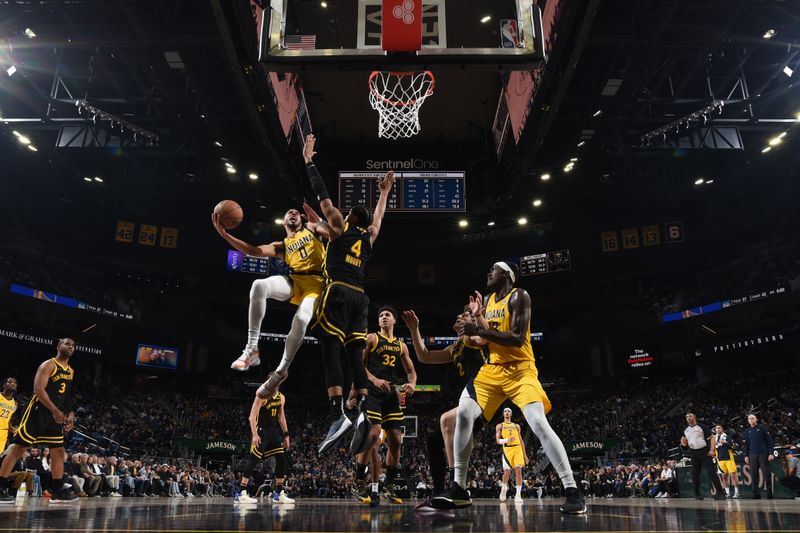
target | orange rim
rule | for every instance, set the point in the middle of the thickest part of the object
(400, 103)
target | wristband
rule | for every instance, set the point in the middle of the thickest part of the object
(317, 184)
(284, 434)
(502, 441)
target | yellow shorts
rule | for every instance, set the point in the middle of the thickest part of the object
(305, 286)
(3, 439)
(728, 466)
(517, 381)
(513, 457)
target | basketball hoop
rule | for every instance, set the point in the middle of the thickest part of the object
(397, 97)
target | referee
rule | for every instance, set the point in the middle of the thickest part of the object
(701, 453)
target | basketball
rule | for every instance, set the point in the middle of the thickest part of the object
(230, 214)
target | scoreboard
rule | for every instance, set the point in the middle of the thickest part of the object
(530, 265)
(264, 266)
(412, 191)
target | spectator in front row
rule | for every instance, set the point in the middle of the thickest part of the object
(758, 447)
(792, 480)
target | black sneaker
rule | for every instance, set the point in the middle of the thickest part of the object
(63, 496)
(6, 498)
(720, 496)
(389, 495)
(338, 429)
(756, 496)
(574, 503)
(374, 499)
(360, 441)
(455, 497)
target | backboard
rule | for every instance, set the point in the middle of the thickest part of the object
(297, 35)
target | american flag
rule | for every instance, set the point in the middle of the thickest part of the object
(300, 42)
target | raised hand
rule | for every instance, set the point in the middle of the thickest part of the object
(476, 304)
(215, 220)
(308, 148)
(411, 320)
(311, 215)
(386, 182)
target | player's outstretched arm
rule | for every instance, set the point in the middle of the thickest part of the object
(431, 357)
(333, 215)
(385, 185)
(274, 249)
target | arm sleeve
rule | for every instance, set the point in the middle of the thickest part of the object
(317, 183)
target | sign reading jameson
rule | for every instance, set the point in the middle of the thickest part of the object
(48, 341)
(590, 447)
(213, 446)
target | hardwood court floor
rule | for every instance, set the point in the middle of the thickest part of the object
(219, 515)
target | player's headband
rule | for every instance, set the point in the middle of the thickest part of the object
(507, 409)
(504, 266)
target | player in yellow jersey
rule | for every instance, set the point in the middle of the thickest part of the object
(504, 319)
(8, 405)
(508, 435)
(304, 253)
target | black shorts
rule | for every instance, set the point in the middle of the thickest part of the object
(384, 408)
(271, 444)
(38, 426)
(341, 312)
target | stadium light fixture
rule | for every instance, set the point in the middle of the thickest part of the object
(709, 182)
(32, 148)
(544, 177)
(23, 139)
(537, 202)
(769, 34)
(522, 221)
(598, 113)
(253, 176)
(766, 149)
(581, 143)
(278, 221)
(788, 71)
(491, 223)
(29, 33)
(775, 141)
(11, 70)
(699, 181)
(218, 144)
(486, 19)
(463, 223)
(573, 160)
(98, 179)
(230, 170)
(87, 178)
(324, 4)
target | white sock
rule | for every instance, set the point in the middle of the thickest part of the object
(505, 486)
(519, 490)
(553, 447)
(468, 411)
(375, 487)
(302, 317)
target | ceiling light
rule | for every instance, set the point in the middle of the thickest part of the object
(87, 178)
(253, 176)
(324, 4)
(544, 177)
(29, 33)
(230, 170)
(766, 149)
(23, 139)
(490, 223)
(775, 141)
(98, 179)
(463, 223)
(227, 164)
(709, 182)
(486, 19)
(537, 202)
(11, 70)
(598, 113)
(217, 143)
(16, 133)
(568, 168)
(278, 221)
(788, 71)
(797, 117)
(699, 181)
(522, 221)
(573, 159)
(782, 135)
(581, 143)
(769, 34)
(32, 148)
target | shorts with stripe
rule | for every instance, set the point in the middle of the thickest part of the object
(517, 381)
(271, 445)
(341, 312)
(384, 408)
(38, 426)
(513, 456)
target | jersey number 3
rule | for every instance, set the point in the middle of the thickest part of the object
(62, 388)
(388, 360)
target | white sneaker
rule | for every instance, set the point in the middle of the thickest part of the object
(518, 498)
(250, 357)
(283, 498)
(503, 493)
(115, 495)
(245, 498)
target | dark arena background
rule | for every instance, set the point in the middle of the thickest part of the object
(631, 164)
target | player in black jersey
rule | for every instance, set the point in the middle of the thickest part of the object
(467, 354)
(391, 377)
(270, 438)
(49, 414)
(340, 318)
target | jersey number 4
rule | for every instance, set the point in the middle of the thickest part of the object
(356, 248)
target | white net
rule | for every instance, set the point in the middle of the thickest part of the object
(397, 97)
